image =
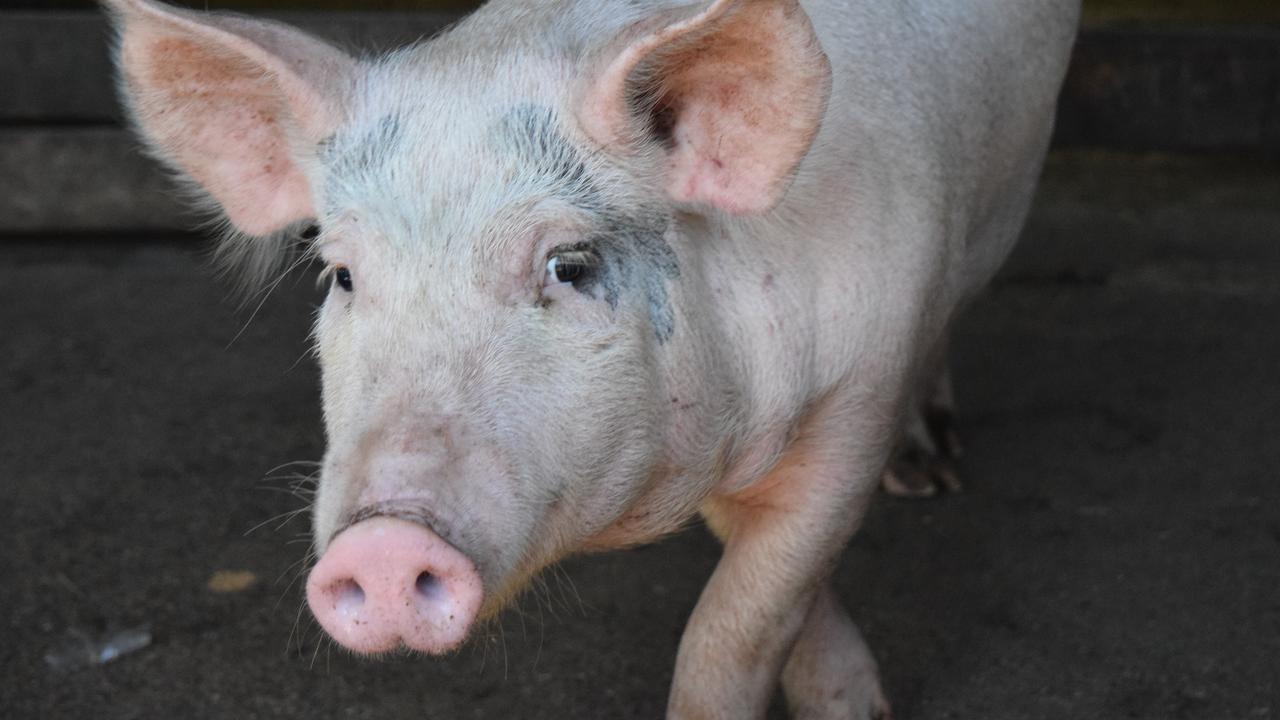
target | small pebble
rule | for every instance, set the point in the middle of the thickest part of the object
(231, 581)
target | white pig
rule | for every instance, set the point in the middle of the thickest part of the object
(603, 266)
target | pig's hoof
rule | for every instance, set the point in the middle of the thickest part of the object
(916, 475)
(924, 463)
(940, 426)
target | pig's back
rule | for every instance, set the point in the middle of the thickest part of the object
(909, 199)
(950, 102)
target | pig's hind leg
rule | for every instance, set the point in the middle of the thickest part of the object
(924, 459)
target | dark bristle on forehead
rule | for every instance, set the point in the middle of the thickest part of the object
(631, 241)
(364, 151)
(533, 132)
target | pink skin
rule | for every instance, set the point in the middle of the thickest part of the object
(385, 583)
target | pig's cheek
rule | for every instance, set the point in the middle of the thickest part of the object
(326, 510)
(338, 321)
(575, 314)
(559, 293)
(335, 351)
(696, 406)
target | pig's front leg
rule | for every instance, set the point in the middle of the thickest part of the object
(767, 599)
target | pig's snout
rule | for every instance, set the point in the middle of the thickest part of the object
(385, 582)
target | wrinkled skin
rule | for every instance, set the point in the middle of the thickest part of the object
(601, 267)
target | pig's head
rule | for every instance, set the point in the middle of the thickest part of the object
(520, 348)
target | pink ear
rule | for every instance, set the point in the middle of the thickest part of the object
(235, 103)
(741, 87)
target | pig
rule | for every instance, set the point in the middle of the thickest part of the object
(597, 268)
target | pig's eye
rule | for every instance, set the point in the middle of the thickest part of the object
(571, 266)
(342, 276)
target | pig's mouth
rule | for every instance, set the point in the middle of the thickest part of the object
(388, 580)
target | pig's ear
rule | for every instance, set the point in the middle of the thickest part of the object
(237, 104)
(734, 92)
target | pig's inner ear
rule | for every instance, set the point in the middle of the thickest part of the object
(237, 104)
(736, 94)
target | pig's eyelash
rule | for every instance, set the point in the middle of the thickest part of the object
(330, 275)
(341, 275)
(574, 264)
(583, 253)
(326, 275)
(574, 257)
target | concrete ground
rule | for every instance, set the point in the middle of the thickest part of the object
(1116, 553)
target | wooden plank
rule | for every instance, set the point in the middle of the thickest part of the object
(65, 163)
(66, 166)
(1174, 90)
(1132, 88)
(55, 66)
(80, 179)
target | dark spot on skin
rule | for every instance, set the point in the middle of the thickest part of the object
(635, 257)
(362, 152)
(534, 134)
(555, 501)
(767, 282)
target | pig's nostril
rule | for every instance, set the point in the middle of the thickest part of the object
(348, 596)
(429, 586)
(385, 583)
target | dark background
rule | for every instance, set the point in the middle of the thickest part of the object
(1115, 554)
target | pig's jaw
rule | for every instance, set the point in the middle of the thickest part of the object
(663, 509)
